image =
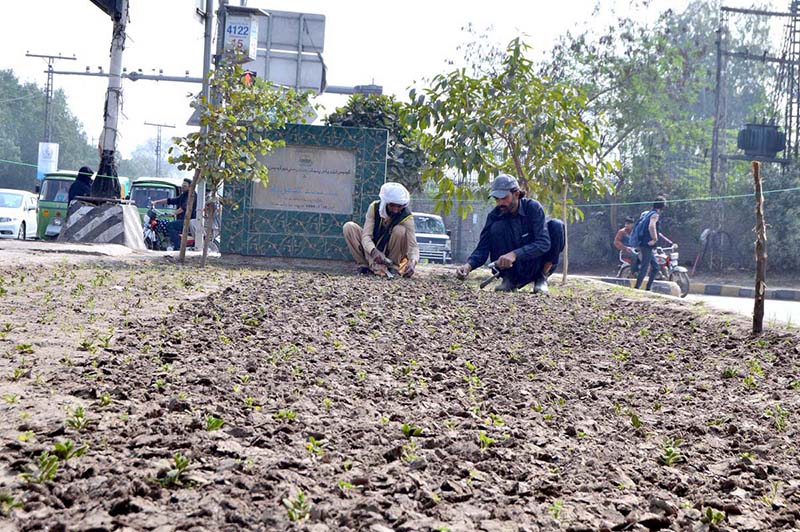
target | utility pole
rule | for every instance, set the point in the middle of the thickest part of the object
(158, 144)
(106, 184)
(48, 91)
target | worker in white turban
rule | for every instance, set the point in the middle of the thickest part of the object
(388, 232)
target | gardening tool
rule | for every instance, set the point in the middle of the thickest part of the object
(495, 275)
(400, 269)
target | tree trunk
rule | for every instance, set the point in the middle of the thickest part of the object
(566, 237)
(187, 217)
(761, 252)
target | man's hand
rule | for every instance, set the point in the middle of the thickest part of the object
(409, 271)
(506, 261)
(377, 256)
(463, 270)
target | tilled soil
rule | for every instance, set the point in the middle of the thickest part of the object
(358, 403)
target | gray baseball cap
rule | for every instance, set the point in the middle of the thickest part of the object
(502, 185)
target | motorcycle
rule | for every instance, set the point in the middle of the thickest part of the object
(155, 231)
(668, 268)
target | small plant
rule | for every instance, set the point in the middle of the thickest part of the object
(45, 469)
(408, 453)
(288, 415)
(780, 416)
(621, 355)
(495, 419)
(298, 508)
(8, 503)
(327, 403)
(484, 441)
(66, 449)
(213, 423)
(88, 345)
(755, 367)
(635, 420)
(410, 430)
(11, 398)
(25, 349)
(731, 372)
(472, 368)
(104, 400)
(77, 419)
(176, 474)
(361, 375)
(750, 381)
(345, 485)
(670, 452)
(26, 436)
(314, 446)
(556, 508)
(712, 516)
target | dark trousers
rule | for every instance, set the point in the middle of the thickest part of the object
(648, 259)
(174, 230)
(634, 261)
(525, 271)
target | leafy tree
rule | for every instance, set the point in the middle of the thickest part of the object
(509, 120)
(22, 128)
(233, 137)
(404, 158)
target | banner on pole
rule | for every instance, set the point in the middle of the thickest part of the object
(48, 159)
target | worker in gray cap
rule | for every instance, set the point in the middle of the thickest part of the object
(522, 243)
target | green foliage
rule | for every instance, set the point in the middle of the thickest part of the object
(410, 430)
(298, 508)
(670, 452)
(712, 516)
(66, 450)
(213, 423)
(514, 121)
(404, 158)
(45, 469)
(175, 476)
(8, 503)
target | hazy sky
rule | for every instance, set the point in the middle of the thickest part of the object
(390, 43)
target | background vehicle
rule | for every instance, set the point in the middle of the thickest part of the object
(53, 195)
(432, 237)
(17, 214)
(145, 190)
(669, 269)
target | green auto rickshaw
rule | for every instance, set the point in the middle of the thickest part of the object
(145, 190)
(52, 210)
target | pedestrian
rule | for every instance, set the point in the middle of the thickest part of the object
(524, 246)
(388, 232)
(82, 186)
(175, 227)
(622, 242)
(646, 233)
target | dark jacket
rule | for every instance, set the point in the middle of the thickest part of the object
(82, 186)
(180, 203)
(527, 233)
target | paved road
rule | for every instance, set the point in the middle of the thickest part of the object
(787, 312)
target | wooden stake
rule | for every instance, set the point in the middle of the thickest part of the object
(761, 252)
(566, 239)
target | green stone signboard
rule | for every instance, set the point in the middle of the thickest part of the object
(322, 178)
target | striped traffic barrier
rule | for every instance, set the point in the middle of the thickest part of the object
(710, 289)
(109, 223)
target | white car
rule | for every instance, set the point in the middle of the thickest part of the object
(432, 237)
(17, 214)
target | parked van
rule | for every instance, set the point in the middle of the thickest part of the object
(17, 214)
(432, 237)
(53, 195)
(145, 190)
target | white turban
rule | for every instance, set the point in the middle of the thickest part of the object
(392, 193)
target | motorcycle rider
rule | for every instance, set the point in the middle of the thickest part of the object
(622, 243)
(175, 227)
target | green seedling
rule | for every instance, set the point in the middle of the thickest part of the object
(750, 381)
(472, 368)
(712, 516)
(556, 508)
(288, 415)
(104, 400)
(315, 446)
(361, 375)
(770, 498)
(635, 420)
(26, 436)
(327, 403)
(45, 469)
(8, 503)
(670, 452)
(780, 416)
(213, 423)
(18, 373)
(345, 485)
(11, 398)
(66, 450)
(410, 430)
(25, 349)
(245, 378)
(408, 453)
(88, 345)
(495, 419)
(755, 367)
(298, 508)
(176, 475)
(484, 441)
(77, 419)
(159, 384)
(731, 372)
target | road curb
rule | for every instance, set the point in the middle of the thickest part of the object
(662, 287)
(706, 289)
